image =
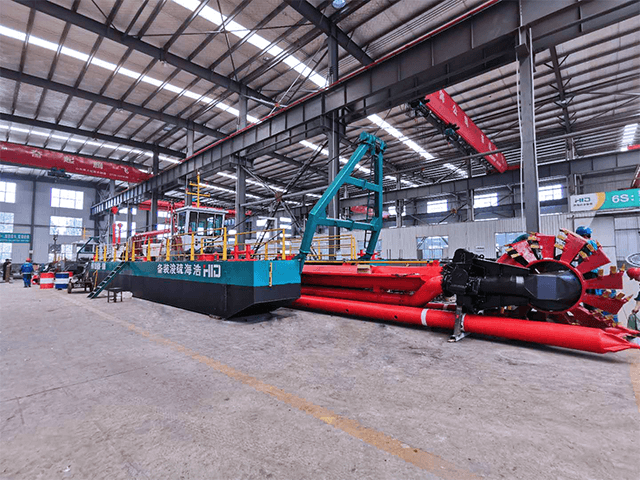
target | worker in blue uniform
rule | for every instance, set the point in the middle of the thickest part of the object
(27, 270)
(585, 232)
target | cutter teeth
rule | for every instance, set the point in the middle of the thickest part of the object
(613, 270)
(559, 246)
(601, 272)
(583, 255)
(591, 247)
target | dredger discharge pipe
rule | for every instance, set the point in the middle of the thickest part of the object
(558, 335)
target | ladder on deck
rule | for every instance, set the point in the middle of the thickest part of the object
(103, 284)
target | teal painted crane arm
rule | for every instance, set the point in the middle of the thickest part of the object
(368, 144)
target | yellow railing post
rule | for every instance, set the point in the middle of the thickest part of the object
(193, 246)
(149, 250)
(353, 247)
(224, 243)
(168, 257)
(266, 250)
(104, 253)
(284, 244)
(115, 252)
(126, 251)
(95, 255)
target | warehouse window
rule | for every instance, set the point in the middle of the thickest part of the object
(486, 200)
(550, 192)
(437, 206)
(123, 229)
(8, 192)
(393, 212)
(6, 226)
(433, 248)
(62, 251)
(503, 239)
(65, 226)
(67, 198)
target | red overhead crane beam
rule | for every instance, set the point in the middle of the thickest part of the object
(447, 110)
(26, 156)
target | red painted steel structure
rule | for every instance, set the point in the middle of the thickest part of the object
(46, 159)
(399, 293)
(446, 109)
(566, 336)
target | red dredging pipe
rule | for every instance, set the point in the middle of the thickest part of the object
(429, 290)
(558, 335)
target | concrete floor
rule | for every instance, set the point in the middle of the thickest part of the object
(138, 390)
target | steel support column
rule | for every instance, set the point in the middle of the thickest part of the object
(528, 133)
(112, 217)
(190, 151)
(333, 136)
(399, 204)
(129, 220)
(241, 175)
(32, 229)
(153, 220)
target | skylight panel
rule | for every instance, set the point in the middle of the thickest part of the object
(123, 71)
(102, 64)
(628, 135)
(40, 42)
(9, 32)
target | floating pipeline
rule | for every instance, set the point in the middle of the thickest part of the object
(566, 336)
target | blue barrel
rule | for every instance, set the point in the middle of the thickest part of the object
(61, 281)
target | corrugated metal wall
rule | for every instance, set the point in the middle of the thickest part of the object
(618, 233)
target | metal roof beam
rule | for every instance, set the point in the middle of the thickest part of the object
(112, 102)
(89, 134)
(112, 34)
(480, 40)
(316, 17)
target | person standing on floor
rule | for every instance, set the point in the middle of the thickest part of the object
(6, 270)
(27, 270)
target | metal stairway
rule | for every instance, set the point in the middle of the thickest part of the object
(103, 284)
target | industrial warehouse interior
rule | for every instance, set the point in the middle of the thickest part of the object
(294, 239)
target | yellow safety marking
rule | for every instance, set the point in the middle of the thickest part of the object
(421, 459)
(634, 373)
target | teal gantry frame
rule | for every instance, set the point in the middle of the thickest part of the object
(368, 144)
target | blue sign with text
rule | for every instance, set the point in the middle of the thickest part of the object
(15, 238)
